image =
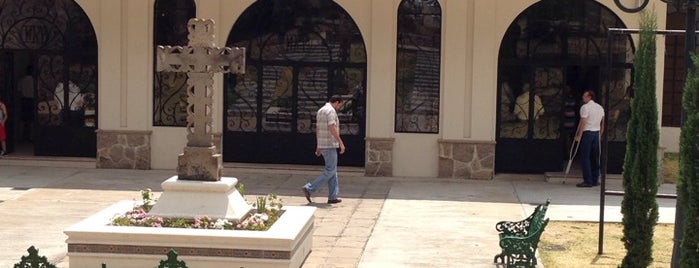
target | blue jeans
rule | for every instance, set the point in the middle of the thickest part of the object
(329, 174)
(589, 148)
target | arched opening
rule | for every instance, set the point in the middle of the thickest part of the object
(551, 53)
(298, 54)
(46, 45)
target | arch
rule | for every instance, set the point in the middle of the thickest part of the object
(170, 88)
(550, 53)
(58, 39)
(295, 60)
(418, 66)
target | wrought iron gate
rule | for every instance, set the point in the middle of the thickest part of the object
(295, 62)
(551, 49)
(59, 41)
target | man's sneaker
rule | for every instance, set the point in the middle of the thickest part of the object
(334, 201)
(2, 153)
(307, 194)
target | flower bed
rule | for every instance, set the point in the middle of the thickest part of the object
(203, 242)
(267, 211)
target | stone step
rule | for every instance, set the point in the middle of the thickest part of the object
(48, 161)
(572, 177)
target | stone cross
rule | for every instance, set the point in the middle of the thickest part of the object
(200, 59)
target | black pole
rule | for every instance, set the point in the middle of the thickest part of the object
(690, 44)
(603, 185)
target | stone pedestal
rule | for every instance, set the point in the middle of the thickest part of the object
(199, 163)
(188, 199)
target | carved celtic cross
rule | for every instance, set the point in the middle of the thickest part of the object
(200, 59)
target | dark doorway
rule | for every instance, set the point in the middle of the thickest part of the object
(55, 43)
(550, 54)
(299, 53)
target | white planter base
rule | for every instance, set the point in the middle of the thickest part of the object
(92, 242)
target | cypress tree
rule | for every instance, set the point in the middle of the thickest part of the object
(640, 177)
(688, 184)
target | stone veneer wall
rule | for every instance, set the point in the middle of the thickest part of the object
(123, 149)
(379, 157)
(466, 159)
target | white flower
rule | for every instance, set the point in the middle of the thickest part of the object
(221, 224)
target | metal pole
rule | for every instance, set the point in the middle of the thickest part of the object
(603, 185)
(690, 44)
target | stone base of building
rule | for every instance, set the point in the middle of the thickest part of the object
(123, 149)
(379, 160)
(466, 159)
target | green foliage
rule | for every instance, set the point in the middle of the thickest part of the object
(261, 204)
(178, 223)
(688, 184)
(147, 199)
(241, 189)
(640, 176)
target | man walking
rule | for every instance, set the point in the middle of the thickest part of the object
(588, 135)
(327, 141)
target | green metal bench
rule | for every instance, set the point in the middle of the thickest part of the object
(33, 260)
(519, 240)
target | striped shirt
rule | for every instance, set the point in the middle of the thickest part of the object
(325, 117)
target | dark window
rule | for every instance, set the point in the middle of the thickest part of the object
(418, 66)
(675, 69)
(170, 88)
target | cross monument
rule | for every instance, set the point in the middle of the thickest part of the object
(198, 188)
(200, 60)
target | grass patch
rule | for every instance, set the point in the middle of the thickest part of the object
(671, 167)
(575, 244)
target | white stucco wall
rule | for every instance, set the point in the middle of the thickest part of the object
(471, 35)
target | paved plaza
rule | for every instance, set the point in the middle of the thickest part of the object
(382, 222)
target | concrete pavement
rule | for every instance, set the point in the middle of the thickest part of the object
(382, 222)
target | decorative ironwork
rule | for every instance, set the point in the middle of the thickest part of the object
(631, 8)
(296, 59)
(170, 88)
(556, 45)
(59, 41)
(172, 261)
(418, 66)
(34, 260)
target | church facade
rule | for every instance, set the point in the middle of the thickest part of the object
(446, 88)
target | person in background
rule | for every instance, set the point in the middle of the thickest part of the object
(521, 109)
(3, 121)
(25, 86)
(74, 103)
(327, 141)
(589, 130)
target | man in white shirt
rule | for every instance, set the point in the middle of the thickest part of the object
(588, 135)
(74, 103)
